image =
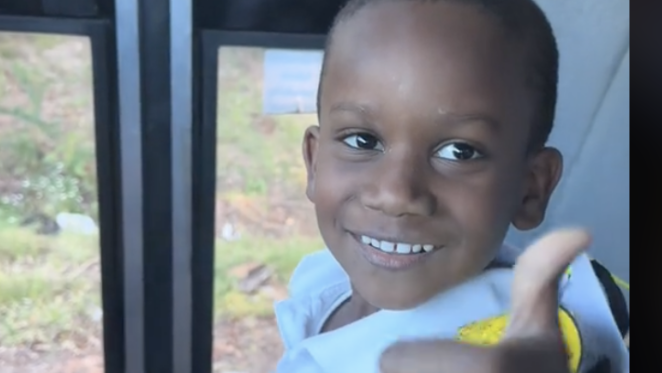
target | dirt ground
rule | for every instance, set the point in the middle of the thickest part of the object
(244, 346)
(247, 345)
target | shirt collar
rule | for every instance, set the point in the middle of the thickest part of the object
(300, 319)
(318, 284)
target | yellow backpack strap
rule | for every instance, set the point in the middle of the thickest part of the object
(490, 331)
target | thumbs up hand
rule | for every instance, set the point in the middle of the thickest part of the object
(532, 342)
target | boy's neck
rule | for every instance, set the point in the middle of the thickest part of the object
(353, 309)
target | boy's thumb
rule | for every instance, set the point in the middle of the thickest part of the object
(535, 288)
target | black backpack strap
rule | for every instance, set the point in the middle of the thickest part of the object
(615, 297)
(602, 366)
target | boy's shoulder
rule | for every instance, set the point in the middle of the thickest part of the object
(316, 285)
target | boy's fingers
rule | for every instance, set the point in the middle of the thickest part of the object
(436, 356)
(535, 292)
(532, 340)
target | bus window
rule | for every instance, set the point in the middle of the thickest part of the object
(50, 313)
(264, 223)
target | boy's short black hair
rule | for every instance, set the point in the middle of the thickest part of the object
(522, 19)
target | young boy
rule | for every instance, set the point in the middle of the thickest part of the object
(433, 121)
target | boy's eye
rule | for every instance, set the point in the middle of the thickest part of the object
(363, 141)
(458, 151)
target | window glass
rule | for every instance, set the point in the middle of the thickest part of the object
(264, 223)
(50, 314)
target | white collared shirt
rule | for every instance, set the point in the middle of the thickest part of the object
(319, 286)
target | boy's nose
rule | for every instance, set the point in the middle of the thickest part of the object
(399, 190)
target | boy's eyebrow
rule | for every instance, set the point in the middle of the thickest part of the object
(362, 110)
(458, 119)
(441, 117)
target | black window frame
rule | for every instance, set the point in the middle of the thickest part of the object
(156, 180)
(101, 37)
(204, 171)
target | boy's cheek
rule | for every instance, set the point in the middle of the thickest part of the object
(341, 176)
(333, 187)
(484, 203)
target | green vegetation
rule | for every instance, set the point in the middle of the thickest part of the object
(49, 285)
(46, 131)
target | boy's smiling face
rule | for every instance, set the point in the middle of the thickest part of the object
(425, 120)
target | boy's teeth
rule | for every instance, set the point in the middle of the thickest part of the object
(403, 248)
(386, 246)
(397, 247)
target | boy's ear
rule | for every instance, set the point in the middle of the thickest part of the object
(544, 172)
(309, 148)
